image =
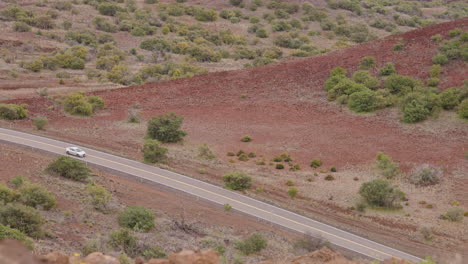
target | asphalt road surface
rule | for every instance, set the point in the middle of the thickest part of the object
(214, 194)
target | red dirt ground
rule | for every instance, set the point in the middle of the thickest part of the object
(284, 110)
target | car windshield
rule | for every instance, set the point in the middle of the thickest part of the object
(78, 150)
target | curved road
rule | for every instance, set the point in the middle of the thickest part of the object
(215, 194)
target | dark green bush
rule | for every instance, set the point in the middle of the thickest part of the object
(449, 98)
(440, 58)
(463, 109)
(108, 9)
(363, 101)
(153, 151)
(7, 232)
(104, 25)
(156, 43)
(253, 244)
(315, 163)
(380, 193)
(70, 168)
(24, 218)
(13, 111)
(166, 128)
(364, 77)
(400, 84)
(387, 166)
(345, 87)
(279, 166)
(237, 181)
(206, 15)
(87, 38)
(137, 218)
(21, 27)
(79, 104)
(367, 63)
(418, 106)
(387, 69)
(36, 195)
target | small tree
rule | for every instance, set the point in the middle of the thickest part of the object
(123, 240)
(24, 218)
(253, 244)
(454, 214)
(34, 195)
(387, 69)
(363, 101)
(449, 98)
(137, 218)
(153, 151)
(166, 128)
(69, 168)
(237, 181)
(40, 123)
(99, 196)
(379, 192)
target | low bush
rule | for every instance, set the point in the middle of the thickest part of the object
(449, 98)
(363, 101)
(426, 175)
(79, 104)
(153, 252)
(98, 196)
(24, 218)
(137, 218)
(400, 84)
(7, 232)
(237, 181)
(35, 195)
(279, 166)
(40, 123)
(13, 111)
(315, 163)
(387, 69)
(380, 193)
(418, 106)
(367, 63)
(246, 139)
(21, 27)
(440, 58)
(292, 192)
(454, 214)
(166, 128)
(205, 152)
(387, 166)
(123, 240)
(463, 109)
(253, 244)
(69, 168)
(108, 9)
(365, 78)
(329, 177)
(153, 151)
(310, 243)
(18, 181)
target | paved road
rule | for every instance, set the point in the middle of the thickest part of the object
(215, 194)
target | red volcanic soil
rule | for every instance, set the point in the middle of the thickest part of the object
(283, 107)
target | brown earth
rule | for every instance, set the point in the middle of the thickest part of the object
(284, 109)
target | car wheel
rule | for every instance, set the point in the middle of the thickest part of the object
(68, 152)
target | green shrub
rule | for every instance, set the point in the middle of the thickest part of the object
(440, 58)
(363, 101)
(119, 74)
(279, 166)
(292, 192)
(205, 152)
(43, 22)
(13, 111)
(77, 104)
(454, 214)
(400, 84)
(426, 175)
(387, 69)
(315, 163)
(21, 27)
(166, 128)
(398, 46)
(367, 63)
(206, 15)
(329, 177)
(40, 123)
(435, 70)
(36, 195)
(236, 2)
(153, 252)
(379, 192)
(7, 232)
(449, 98)
(246, 139)
(87, 38)
(137, 218)
(108, 9)
(153, 151)
(344, 86)
(123, 240)
(387, 166)
(455, 32)
(364, 77)
(463, 109)
(18, 181)
(253, 244)
(237, 181)
(104, 25)
(98, 196)
(437, 38)
(432, 82)
(418, 106)
(7, 195)
(227, 207)
(24, 218)
(69, 168)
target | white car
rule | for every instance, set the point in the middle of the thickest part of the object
(75, 151)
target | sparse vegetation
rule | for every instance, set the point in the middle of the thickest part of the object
(153, 151)
(98, 196)
(35, 195)
(7, 232)
(387, 166)
(69, 168)
(13, 111)
(237, 181)
(253, 244)
(23, 218)
(40, 123)
(454, 214)
(426, 175)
